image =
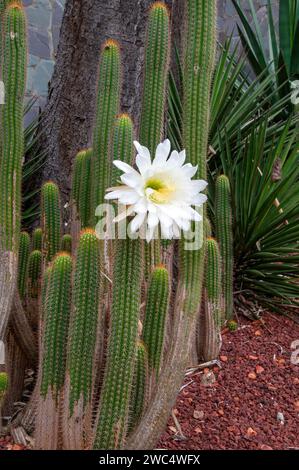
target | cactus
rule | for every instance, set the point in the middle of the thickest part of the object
(23, 263)
(119, 371)
(107, 110)
(13, 46)
(157, 53)
(82, 335)
(224, 235)
(57, 313)
(139, 387)
(122, 138)
(52, 374)
(199, 54)
(51, 219)
(37, 239)
(157, 305)
(3, 385)
(34, 273)
(12, 136)
(81, 192)
(213, 304)
(66, 243)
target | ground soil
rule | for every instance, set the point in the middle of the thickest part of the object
(251, 401)
(254, 401)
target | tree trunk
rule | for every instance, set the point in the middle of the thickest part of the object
(69, 113)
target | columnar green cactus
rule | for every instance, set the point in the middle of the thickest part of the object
(116, 390)
(66, 243)
(56, 297)
(34, 273)
(51, 219)
(82, 336)
(24, 251)
(157, 53)
(157, 305)
(57, 313)
(107, 110)
(119, 371)
(139, 387)
(224, 234)
(3, 384)
(13, 75)
(199, 57)
(122, 138)
(81, 191)
(213, 304)
(37, 239)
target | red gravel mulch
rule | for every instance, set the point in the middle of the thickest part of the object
(254, 402)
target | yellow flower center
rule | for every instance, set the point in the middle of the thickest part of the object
(161, 190)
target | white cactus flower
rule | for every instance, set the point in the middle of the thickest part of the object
(160, 193)
(295, 93)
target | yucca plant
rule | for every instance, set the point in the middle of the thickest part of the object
(265, 187)
(280, 53)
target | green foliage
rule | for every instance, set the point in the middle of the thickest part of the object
(264, 182)
(66, 243)
(83, 327)
(224, 235)
(24, 250)
(81, 191)
(50, 219)
(13, 75)
(107, 110)
(34, 273)
(37, 239)
(57, 305)
(139, 387)
(157, 305)
(280, 55)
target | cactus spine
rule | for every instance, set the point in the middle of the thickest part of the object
(57, 313)
(157, 53)
(23, 263)
(107, 110)
(213, 298)
(51, 219)
(66, 243)
(224, 234)
(34, 273)
(81, 192)
(155, 317)
(12, 135)
(139, 388)
(37, 239)
(82, 335)
(116, 391)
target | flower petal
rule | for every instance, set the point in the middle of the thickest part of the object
(162, 153)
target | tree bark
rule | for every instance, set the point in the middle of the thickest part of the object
(68, 116)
